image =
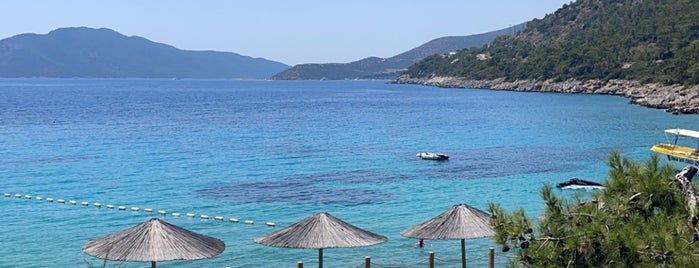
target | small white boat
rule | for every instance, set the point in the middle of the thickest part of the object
(432, 156)
(682, 147)
(577, 184)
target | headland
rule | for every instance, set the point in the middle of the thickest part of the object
(673, 98)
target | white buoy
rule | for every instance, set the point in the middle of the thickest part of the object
(84, 203)
(60, 201)
(205, 217)
(233, 220)
(122, 208)
(49, 199)
(7, 195)
(110, 206)
(28, 196)
(148, 210)
(39, 198)
(134, 208)
(161, 212)
(218, 218)
(270, 224)
(97, 205)
(72, 202)
(249, 222)
(175, 214)
(18, 195)
(190, 215)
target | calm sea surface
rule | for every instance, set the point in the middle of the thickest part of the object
(280, 151)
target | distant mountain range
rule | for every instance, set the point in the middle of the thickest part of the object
(101, 53)
(388, 68)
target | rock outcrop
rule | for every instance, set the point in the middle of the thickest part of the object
(673, 98)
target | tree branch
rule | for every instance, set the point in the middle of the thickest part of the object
(548, 238)
(684, 181)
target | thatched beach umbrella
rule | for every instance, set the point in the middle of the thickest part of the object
(320, 231)
(459, 222)
(152, 241)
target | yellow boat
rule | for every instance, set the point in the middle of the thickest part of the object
(679, 150)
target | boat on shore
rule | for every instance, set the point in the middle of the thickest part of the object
(682, 147)
(576, 183)
(432, 156)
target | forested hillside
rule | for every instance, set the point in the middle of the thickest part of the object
(387, 68)
(650, 41)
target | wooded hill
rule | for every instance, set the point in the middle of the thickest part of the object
(650, 41)
(388, 68)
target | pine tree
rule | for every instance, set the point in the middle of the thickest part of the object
(641, 219)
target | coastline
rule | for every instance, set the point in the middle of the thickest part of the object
(673, 98)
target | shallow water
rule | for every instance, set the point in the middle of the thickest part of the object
(281, 151)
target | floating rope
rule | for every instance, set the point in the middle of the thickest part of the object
(413, 264)
(469, 259)
(161, 212)
(507, 256)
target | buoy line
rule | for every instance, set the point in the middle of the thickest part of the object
(162, 213)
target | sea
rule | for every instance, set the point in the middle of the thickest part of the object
(277, 152)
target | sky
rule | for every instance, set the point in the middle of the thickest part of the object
(288, 31)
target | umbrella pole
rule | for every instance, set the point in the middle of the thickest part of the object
(463, 253)
(152, 264)
(320, 258)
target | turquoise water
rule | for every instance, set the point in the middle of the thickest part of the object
(280, 151)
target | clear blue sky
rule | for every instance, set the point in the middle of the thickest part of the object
(289, 31)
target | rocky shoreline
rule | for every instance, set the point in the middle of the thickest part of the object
(673, 98)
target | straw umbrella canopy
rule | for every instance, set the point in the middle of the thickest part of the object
(459, 222)
(320, 231)
(152, 241)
